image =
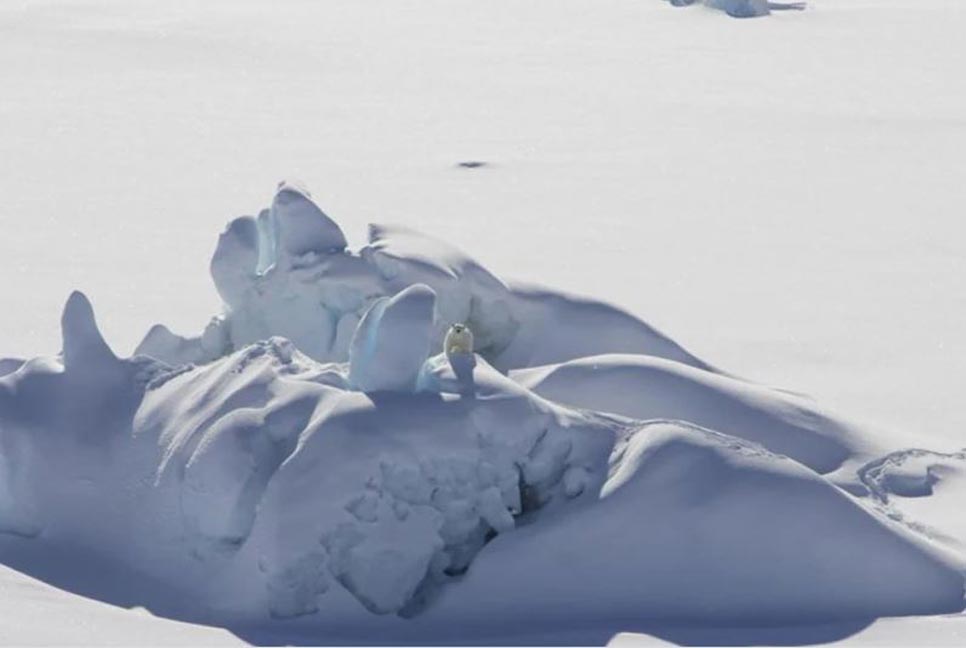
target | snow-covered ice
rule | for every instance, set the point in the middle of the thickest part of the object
(296, 454)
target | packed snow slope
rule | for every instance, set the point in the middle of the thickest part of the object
(313, 468)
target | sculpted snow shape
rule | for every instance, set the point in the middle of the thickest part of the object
(83, 343)
(300, 227)
(393, 341)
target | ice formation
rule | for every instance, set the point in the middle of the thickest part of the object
(316, 462)
(317, 297)
(393, 340)
(742, 8)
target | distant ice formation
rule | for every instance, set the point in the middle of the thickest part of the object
(742, 8)
(316, 292)
(318, 464)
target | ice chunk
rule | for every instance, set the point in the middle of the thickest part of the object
(393, 341)
(735, 8)
(300, 227)
(234, 263)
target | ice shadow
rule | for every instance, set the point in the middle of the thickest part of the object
(492, 633)
(97, 575)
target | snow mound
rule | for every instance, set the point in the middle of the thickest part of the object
(315, 296)
(299, 227)
(694, 526)
(647, 387)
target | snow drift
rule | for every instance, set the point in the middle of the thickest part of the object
(314, 462)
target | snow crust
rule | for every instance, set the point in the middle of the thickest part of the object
(315, 464)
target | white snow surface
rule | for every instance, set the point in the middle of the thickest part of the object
(58, 618)
(292, 457)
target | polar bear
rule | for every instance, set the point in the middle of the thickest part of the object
(459, 339)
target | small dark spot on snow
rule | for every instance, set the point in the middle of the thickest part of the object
(472, 164)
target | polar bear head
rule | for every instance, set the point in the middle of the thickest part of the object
(459, 339)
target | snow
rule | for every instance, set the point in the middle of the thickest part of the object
(617, 127)
(780, 194)
(55, 617)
